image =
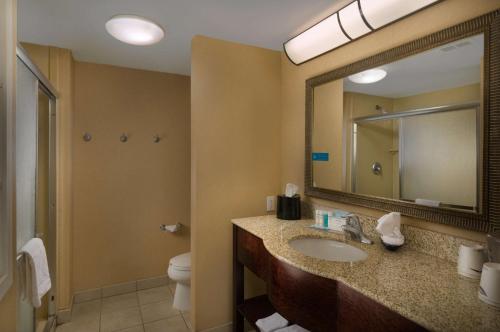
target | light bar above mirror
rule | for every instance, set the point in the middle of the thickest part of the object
(353, 21)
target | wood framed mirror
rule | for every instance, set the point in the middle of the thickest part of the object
(414, 129)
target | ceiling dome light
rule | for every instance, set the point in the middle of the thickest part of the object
(135, 30)
(368, 76)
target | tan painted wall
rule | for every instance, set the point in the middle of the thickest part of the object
(124, 191)
(458, 95)
(8, 33)
(442, 15)
(235, 126)
(57, 65)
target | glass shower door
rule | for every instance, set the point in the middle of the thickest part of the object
(26, 152)
(35, 186)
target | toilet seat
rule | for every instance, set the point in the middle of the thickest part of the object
(181, 262)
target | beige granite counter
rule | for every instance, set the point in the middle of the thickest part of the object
(420, 287)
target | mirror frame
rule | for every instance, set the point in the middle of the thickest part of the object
(488, 216)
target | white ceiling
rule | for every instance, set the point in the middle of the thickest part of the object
(79, 26)
(445, 67)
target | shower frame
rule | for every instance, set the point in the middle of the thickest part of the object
(45, 86)
(411, 113)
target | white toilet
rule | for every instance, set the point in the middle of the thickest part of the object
(179, 270)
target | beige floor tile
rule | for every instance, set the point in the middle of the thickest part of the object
(120, 319)
(154, 295)
(172, 288)
(82, 326)
(119, 302)
(158, 310)
(86, 311)
(138, 328)
(174, 324)
(187, 318)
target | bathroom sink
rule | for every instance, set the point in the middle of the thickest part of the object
(329, 250)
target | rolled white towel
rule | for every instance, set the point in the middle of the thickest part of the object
(271, 323)
(427, 202)
(292, 328)
(389, 223)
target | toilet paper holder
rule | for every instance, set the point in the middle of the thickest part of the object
(171, 228)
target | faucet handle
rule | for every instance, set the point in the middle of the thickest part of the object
(353, 221)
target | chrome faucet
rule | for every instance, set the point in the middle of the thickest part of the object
(354, 229)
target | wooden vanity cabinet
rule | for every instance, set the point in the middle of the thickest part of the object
(313, 302)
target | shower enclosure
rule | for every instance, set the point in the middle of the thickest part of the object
(35, 182)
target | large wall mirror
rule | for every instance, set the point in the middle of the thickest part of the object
(410, 129)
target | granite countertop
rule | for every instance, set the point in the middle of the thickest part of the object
(423, 288)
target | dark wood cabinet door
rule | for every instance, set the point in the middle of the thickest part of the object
(357, 312)
(301, 297)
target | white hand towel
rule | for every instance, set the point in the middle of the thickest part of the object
(389, 227)
(293, 328)
(388, 223)
(427, 202)
(37, 271)
(271, 323)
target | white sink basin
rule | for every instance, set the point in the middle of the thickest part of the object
(329, 250)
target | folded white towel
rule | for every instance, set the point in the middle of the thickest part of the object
(389, 227)
(293, 328)
(37, 277)
(389, 223)
(427, 202)
(271, 323)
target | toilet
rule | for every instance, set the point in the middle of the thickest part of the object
(179, 270)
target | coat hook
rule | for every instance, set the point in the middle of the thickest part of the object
(124, 138)
(87, 137)
(156, 138)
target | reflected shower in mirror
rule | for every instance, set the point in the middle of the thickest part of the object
(409, 130)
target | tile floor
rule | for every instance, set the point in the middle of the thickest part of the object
(148, 310)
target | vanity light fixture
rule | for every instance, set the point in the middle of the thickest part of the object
(353, 21)
(135, 30)
(368, 76)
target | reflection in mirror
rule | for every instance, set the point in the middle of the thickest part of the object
(408, 130)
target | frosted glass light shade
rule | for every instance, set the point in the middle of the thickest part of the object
(134, 30)
(381, 12)
(315, 41)
(368, 76)
(352, 22)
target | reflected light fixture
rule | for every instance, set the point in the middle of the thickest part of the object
(353, 21)
(134, 30)
(368, 76)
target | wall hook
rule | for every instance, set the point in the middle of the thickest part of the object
(123, 138)
(156, 138)
(87, 137)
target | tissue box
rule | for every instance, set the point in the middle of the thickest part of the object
(288, 207)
